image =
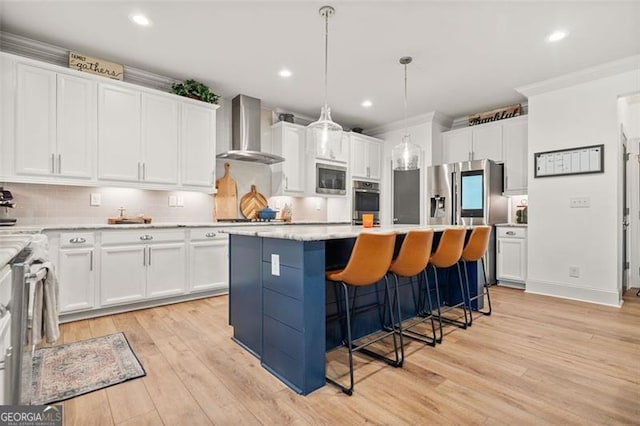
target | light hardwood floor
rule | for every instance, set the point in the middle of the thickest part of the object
(536, 360)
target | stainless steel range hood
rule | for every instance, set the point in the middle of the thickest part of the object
(245, 142)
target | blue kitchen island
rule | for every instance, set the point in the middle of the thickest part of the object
(282, 310)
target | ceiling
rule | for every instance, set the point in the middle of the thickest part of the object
(468, 56)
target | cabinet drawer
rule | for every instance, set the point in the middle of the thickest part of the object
(77, 239)
(142, 236)
(512, 232)
(208, 234)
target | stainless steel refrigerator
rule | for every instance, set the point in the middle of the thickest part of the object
(468, 193)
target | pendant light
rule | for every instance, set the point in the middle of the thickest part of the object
(324, 136)
(406, 155)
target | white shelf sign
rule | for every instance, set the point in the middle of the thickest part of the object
(575, 161)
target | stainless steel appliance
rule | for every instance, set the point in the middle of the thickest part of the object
(6, 201)
(468, 193)
(331, 179)
(366, 199)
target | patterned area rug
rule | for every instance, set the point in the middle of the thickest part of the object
(65, 371)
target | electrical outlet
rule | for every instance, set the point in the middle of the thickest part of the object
(579, 202)
(574, 271)
(172, 201)
(180, 201)
(95, 199)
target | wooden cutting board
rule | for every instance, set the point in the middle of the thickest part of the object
(252, 203)
(226, 199)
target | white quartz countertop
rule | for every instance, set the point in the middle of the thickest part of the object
(11, 245)
(326, 232)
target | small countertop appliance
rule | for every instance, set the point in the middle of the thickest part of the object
(6, 201)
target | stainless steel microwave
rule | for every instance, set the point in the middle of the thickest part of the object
(331, 179)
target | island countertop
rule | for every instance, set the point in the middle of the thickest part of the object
(328, 232)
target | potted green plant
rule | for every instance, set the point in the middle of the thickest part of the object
(195, 90)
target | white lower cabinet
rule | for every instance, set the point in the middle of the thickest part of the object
(208, 260)
(512, 256)
(112, 268)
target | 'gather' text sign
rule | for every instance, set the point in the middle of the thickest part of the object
(96, 66)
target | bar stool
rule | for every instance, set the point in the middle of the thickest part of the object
(475, 250)
(412, 260)
(447, 255)
(368, 263)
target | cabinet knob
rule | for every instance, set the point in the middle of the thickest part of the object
(146, 237)
(210, 234)
(78, 240)
(510, 233)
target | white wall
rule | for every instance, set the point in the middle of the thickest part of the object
(589, 238)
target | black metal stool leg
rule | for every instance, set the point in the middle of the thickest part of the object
(439, 303)
(349, 344)
(468, 302)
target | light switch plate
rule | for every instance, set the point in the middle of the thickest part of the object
(180, 201)
(275, 265)
(95, 199)
(172, 201)
(579, 202)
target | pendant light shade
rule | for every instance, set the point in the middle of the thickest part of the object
(406, 155)
(324, 136)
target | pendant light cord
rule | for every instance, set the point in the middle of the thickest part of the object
(326, 55)
(406, 127)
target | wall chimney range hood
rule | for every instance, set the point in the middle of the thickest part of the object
(245, 141)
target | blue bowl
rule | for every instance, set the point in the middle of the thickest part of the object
(266, 214)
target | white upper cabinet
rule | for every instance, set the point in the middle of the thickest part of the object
(160, 135)
(198, 133)
(77, 126)
(35, 144)
(456, 146)
(289, 142)
(119, 133)
(487, 142)
(515, 147)
(366, 157)
(55, 124)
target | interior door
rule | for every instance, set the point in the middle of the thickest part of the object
(406, 196)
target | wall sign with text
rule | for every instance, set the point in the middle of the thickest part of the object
(96, 66)
(574, 161)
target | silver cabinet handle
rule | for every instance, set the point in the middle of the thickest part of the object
(506, 182)
(286, 182)
(210, 234)
(138, 170)
(146, 237)
(149, 255)
(510, 233)
(144, 171)
(144, 256)
(59, 163)
(91, 260)
(53, 163)
(78, 240)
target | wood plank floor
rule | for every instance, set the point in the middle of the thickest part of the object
(536, 360)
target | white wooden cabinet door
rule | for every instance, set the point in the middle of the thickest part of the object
(122, 274)
(487, 142)
(76, 126)
(159, 139)
(166, 269)
(118, 133)
(198, 145)
(512, 258)
(35, 138)
(515, 137)
(374, 158)
(456, 146)
(76, 275)
(209, 265)
(358, 157)
(293, 152)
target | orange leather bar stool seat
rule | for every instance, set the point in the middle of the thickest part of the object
(447, 255)
(412, 260)
(474, 251)
(368, 263)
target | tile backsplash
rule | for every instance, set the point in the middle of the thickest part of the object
(57, 204)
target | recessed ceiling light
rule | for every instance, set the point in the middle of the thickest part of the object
(140, 19)
(366, 103)
(556, 36)
(284, 73)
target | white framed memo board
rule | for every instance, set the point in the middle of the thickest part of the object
(574, 161)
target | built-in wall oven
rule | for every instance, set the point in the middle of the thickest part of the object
(331, 179)
(366, 199)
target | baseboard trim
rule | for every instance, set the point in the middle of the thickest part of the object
(566, 291)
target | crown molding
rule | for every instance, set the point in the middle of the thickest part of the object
(49, 53)
(430, 117)
(631, 63)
